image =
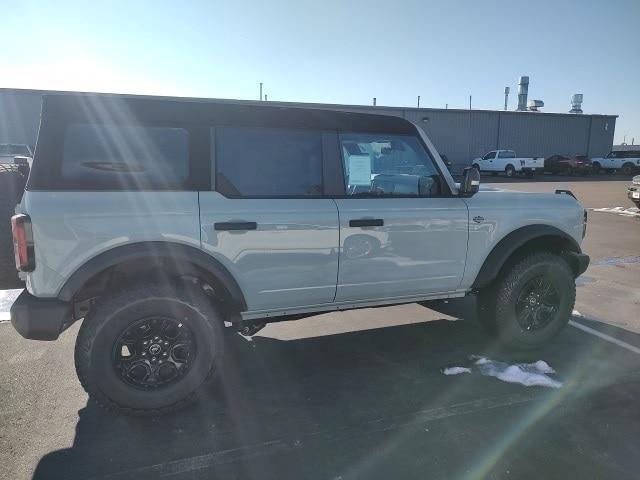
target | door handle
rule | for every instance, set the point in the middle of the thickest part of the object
(235, 226)
(366, 222)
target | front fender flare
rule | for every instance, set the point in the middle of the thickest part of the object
(511, 242)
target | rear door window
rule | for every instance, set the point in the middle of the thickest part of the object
(125, 157)
(265, 162)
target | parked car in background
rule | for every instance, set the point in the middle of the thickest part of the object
(633, 192)
(567, 165)
(9, 151)
(507, 162)
(15, 162)
(628, 162)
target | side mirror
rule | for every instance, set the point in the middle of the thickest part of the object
(470, 182)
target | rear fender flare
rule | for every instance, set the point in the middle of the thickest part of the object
(155, 253)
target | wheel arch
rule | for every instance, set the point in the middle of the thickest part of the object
(521, 241)
(143, 257)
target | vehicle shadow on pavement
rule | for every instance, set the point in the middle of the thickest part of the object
(372, 404)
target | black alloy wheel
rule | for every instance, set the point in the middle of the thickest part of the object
(537, 304)
(153, 352)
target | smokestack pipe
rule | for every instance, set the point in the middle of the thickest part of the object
(523, 92)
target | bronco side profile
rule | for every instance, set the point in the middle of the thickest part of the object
(162, 222)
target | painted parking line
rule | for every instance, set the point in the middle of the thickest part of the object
(603, 336)
(5, 317)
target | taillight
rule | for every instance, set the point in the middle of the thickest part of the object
(23, 242)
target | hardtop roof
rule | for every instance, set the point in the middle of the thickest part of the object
(116, 108)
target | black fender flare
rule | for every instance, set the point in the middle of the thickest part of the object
(155, 252)
(511, 242)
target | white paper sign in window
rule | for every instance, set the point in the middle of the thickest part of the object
(359, 170)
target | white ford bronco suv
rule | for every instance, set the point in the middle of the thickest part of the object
(160, 222)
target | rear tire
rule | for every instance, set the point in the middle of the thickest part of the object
(510, 171)
(12, 183)
(530, 303)
(596, 167)
(184, 345)
(628, 169)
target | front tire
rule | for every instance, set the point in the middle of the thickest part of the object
(531, 302)
(150, 349)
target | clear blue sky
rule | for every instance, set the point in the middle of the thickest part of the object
(334, 51)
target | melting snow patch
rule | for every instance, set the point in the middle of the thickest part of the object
(527, 374)
(626, 212)
(7, 297)
(617, 260)
(456, 370)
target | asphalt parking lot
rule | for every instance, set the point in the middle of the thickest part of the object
(362, 394)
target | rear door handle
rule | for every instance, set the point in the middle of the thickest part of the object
(235, 226)
(366, 222)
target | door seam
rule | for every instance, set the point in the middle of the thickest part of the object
(335, 292)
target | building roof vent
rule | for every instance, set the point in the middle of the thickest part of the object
(523, 91)
(534, 105)
(576, 103)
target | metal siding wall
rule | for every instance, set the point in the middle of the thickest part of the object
(602, 129)
(19, 116)
(449, 132)
(484, 133)
(537, 135)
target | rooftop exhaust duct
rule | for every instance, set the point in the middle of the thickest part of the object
(576, 103)
(523, 91)
(535, 105)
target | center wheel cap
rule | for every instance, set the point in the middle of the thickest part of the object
(155, 349)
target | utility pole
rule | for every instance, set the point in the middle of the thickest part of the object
(260, 91)
(469, 142)
(506, 97)
(418, 101)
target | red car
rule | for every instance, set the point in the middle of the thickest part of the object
(567, 165)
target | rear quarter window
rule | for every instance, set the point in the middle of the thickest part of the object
(125, 157)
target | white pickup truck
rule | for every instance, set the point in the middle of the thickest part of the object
(627, 161)
(497, 161)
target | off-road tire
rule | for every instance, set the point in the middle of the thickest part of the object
(12, 183)
(107, 319)
(496, 305)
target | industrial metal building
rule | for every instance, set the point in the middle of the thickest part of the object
(460, 134)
